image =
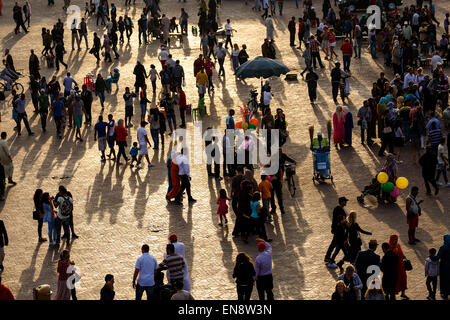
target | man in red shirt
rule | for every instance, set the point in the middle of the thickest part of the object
(5, 293)
(182, 105)
(198, 64)
(347, 51)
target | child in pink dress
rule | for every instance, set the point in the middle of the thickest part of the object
(222, 210)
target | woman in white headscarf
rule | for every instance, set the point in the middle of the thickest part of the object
(269, 28)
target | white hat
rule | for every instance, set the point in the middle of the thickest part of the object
(406, 22)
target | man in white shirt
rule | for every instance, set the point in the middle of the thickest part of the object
(5, 158)
(74, 30)
(409, 77)
(228, 33)
(436, 60)
(180, 249)
(185, 178)
(143, 140)
(163, 55)
(146, 266)
(267, 98)
(442, 164)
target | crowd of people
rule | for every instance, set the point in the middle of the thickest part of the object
(409, 110)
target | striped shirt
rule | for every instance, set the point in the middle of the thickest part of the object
(434, 137)
(175, 266)
(314, 45)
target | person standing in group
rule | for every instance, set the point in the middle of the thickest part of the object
(315, 53)
(38, 213)
(143, 141)
(64, 202)
(44, 103)
(83, 33)
(244, 272)
(352, 282)
(174, 263)
(180, 249)
(145, 268)
(128, 98)
(365, 259)
(263, 270)
(143, 100)
(401, 284)
(235, 56)
(3, 242)
(107, 292)
(180, 293)
(6, 158)
(153, 119)
(182, 104)
(75, 38)
(185, 178)
(291, 28)
(86, 97)
(389, 266)
(339, 127)
(432, 273)
(100, 131)
(413, 211)
(49, 217)
(63, 292)
(348, 126)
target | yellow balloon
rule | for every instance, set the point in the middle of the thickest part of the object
(383, 177)
(245, 125)
(402, 183)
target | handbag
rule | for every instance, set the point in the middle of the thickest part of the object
(407, 264)
(35, 215)
(387, 130)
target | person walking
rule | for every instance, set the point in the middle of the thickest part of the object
(337, 212)
(86, 97)
(44, 103)
(336, 76)
(83, 33)
(59, 55)
(19, 107)
(347, 51)
(311, 79)
(174, 263)
(432, 273)
(443, 163)
(220, 55)
(100, 87)
(78, 110)
(307, 57)
(100, 131)
(443, 256)
(365, 120)
(145, 268)
(120, 134)
(269, 27)
(75, 31)
(143, 141)
(263, 270)
(96, 46)
(244, 272)
(428, 161)
(389, 267)
(111, 136)
(185, 178)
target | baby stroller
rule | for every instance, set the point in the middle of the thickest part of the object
(374, 189)
(320, 148)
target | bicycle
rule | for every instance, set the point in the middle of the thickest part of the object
(290, 172)
(253, 102)
(17, 86)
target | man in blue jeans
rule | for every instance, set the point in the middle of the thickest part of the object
(146, 266)
(220, 54)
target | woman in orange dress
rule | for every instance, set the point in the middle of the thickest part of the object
(175, 179)
(401, 285)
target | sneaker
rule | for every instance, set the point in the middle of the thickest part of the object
(192, 200)
(332, 265)
(439, 184)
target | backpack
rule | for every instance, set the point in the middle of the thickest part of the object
(66, 207)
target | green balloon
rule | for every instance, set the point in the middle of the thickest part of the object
(252, 126)
(387, 187)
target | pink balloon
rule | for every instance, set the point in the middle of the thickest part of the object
(395, 193)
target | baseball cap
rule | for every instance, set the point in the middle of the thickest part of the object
(341, 199)
(261, 245)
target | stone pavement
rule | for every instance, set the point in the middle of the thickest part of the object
(118, 209)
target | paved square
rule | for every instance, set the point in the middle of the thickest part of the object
(118, 209)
